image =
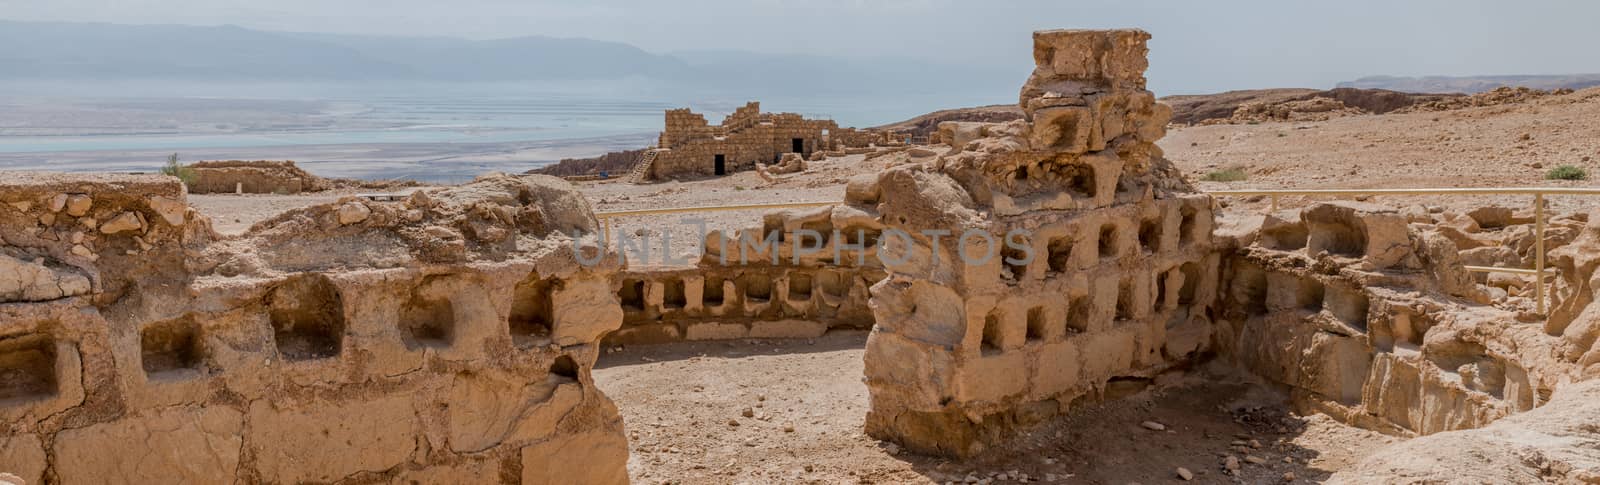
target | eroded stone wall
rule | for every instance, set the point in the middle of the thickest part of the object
(1366, 313)
(253, 177)
(445, 338)
(1046, 257)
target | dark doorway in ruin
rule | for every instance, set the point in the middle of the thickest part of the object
(721, 164)
(799, 145)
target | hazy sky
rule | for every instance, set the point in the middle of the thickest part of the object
(1198, 46)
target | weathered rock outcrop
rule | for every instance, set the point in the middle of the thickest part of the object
(447, 335)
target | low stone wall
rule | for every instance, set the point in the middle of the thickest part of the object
(801, 286)
(448, 337)
(258, 177)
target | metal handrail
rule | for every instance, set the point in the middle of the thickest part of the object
(1538, 194)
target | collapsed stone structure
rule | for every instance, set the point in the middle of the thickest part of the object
(691, 147)
(253, 177)
(447, 337)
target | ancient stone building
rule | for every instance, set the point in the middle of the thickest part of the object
(444, 338)
(690, 147)
(1046, 258)
(253, 177)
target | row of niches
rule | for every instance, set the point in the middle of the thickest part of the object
(749, 293)
(1255, 291)
(306, 314)
(1078, 248)
(1008, 327)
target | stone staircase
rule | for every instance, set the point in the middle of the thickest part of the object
(641, 169)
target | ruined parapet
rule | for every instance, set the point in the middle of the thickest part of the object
(800, 274)
(1368, 315)
(1038, 261)
(447, 335)
(253, 177)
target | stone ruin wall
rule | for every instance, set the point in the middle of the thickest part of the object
(689, 145)
(1120, 284)
(744, 290)
(1368, 315)
(1360, 312)
(257, 177)
(446, 338)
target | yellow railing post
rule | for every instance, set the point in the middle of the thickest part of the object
(1538, 244)
(1274, 202)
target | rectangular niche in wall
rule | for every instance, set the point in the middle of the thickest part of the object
(1036, 324)
(631, 295)
(1014, 258)
(307, 315)
(27, 367)
(1060, 253)
(799, 286)
(171, 349)
(1186, 225)
(1150, 235)
(1108, 244)
(993, 334)
(757, 287)
(428, 318)
(532, 311)
(712, 294)
(834, 283)
(672, 294)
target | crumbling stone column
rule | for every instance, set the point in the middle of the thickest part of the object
(1039, 259)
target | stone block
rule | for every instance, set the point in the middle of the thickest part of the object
(588, 458)
(324, 442)
(174, 445)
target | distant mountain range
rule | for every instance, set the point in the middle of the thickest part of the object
(1471, 84)
(91, 51)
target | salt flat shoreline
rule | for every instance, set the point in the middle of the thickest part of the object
(427, 162)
